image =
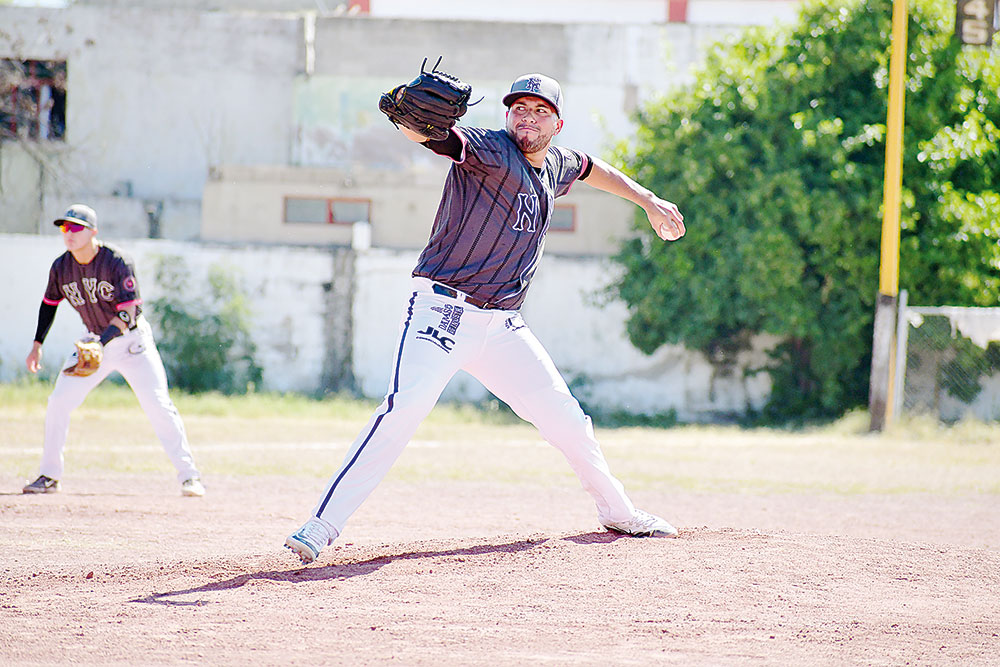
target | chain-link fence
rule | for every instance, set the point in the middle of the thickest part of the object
(950, 362)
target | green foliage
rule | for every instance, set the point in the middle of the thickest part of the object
(205, 345)
(775, 155)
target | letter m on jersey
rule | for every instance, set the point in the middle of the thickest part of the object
(527, 212)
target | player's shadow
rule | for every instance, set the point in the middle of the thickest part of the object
(346, 571)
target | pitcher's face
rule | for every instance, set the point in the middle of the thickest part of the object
(531, 123)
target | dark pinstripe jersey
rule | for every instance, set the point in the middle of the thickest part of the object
(495, 209)
(97, 290)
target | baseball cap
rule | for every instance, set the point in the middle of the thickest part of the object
(81, 214)
(536, 85)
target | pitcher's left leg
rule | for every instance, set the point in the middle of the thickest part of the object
(518, 370)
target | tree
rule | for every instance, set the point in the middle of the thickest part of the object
(775, 155)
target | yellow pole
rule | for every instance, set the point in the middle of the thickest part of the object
(884, 361)
(889, 271)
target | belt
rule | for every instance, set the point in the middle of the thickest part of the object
(444, 290)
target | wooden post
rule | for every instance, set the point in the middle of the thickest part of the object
(880, 388)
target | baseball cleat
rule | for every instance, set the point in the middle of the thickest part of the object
(310, 539)
(642, 524)
(42, 485)
(193, 488)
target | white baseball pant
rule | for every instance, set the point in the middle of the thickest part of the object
(439, 336)
(134, 355)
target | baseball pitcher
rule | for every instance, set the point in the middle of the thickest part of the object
(468, 286)
(99, 282)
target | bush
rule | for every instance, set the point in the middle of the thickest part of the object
(205, 344)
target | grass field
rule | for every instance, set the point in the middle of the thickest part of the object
(267, 433)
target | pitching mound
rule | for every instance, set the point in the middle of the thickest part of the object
(123, 570)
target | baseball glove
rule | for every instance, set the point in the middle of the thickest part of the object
(429, 105)
(89, 354)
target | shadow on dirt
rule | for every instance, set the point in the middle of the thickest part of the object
(346, 571)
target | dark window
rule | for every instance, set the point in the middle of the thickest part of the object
(563, 218)
(33, 99)
(327, 211)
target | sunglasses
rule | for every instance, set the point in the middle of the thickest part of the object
(72, 227)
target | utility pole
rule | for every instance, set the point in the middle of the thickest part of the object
(880, 395)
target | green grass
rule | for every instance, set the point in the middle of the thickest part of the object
(287, 434)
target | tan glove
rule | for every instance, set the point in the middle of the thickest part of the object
(89, 354)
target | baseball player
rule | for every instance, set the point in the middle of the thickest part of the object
(99, 282)
(468, 285)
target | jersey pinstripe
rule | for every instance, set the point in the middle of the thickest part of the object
(98, 289)
(489, 231)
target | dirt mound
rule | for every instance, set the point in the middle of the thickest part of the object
(121, 569)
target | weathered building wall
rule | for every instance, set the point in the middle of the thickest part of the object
(155, 97)
(178, 128)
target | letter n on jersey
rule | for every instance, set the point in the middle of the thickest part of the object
(527, 212)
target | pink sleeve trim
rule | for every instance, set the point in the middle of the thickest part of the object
(51, 302)
(583, 167)
(465, 143)
(126, 304)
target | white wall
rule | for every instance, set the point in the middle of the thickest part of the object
(285, 287)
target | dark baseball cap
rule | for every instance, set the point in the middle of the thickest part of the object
(81, 214)
(536, 85)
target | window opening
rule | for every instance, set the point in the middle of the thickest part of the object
(32, 100)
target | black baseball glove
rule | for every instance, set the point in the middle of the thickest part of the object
(429, 105)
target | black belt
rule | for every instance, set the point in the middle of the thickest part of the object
(444, 290)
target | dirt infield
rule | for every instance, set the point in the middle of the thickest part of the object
(118, 568)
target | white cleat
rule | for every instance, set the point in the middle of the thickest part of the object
(642, 524)
(310, 539)
(192, 488)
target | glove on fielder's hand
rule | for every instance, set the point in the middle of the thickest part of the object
(89, 354)
(429, 105)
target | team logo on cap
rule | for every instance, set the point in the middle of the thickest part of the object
(534, 84)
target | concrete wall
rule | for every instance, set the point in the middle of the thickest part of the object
(314, 310)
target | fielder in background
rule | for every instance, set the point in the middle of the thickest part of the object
(469, 284)
(99, 282)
